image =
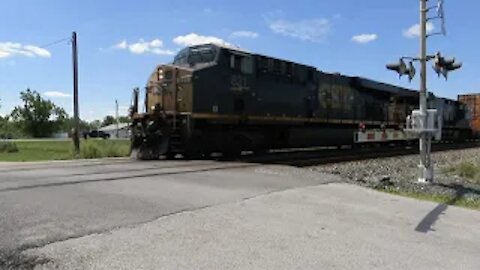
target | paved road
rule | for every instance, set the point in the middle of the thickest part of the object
(120, 214)
(48, 202)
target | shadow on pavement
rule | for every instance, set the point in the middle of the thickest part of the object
(460, 191)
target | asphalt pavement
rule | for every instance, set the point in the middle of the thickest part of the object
(122, 214)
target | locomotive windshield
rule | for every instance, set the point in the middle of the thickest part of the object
(192, 56)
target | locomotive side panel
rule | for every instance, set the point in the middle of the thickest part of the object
(338, 100)
(228, 88)
(282, 91)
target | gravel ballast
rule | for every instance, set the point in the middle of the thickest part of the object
(400, 174)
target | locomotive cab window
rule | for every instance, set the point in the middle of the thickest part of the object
(192, 56)
(241, 63)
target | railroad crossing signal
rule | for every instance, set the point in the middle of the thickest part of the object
(402, 69)
(411, 71)
(443, 65)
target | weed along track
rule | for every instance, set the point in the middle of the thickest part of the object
(455, 181)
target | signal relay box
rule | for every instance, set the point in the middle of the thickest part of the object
(433, 125)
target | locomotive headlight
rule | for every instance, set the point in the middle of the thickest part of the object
(160, 74)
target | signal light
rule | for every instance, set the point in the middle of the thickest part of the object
(399, 67)
(402, 69)
(442, 65)
(411, 71)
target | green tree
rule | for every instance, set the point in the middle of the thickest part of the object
(95, 124)
(9, 129)
(124, 119)
(38, 117)
(108, 120)
(68, 124)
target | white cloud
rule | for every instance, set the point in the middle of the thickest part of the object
(162, 51)
(364, 38)
(139, 47)
(37, 51)
(154, 46)
(56, 94)
(122, 45)
(314, 30)
(245, 34)
(156, 43)
(195, 39)
(10, 49)
(414, 30)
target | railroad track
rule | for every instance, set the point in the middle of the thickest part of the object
(129, 169)
(307, 158)
(64, 179)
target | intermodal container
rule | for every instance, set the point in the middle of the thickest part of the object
(473, 103)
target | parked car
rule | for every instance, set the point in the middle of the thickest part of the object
(96, 134)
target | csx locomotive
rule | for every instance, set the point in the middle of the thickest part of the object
(214, 98)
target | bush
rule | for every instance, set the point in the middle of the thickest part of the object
(8, 147)
(467, 170)
(115, 150)
(100, 149)
(90, 150)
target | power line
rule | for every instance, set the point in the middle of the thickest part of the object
(55, 42)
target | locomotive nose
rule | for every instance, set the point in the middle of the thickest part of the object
(164, 73)
(169, 88)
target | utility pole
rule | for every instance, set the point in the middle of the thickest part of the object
(76, 118)
(116, 116)
(422, 120)
(425, 166)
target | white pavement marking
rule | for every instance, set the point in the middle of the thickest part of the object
(334, 226)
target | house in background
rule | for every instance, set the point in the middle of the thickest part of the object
(123, 130)
(60, 135)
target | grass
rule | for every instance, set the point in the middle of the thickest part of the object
(445, 199)
(466, 169)
(8, 147)
(63, 150)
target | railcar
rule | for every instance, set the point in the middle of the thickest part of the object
(215, 98)
(472, 102)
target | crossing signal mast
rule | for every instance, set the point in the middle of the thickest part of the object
(424, 121)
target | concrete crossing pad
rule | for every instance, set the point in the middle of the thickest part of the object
(335, 226)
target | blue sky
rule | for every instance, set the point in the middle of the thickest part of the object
(120, 42)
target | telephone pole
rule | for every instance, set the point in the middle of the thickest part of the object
(76, 118)
(116, 116)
